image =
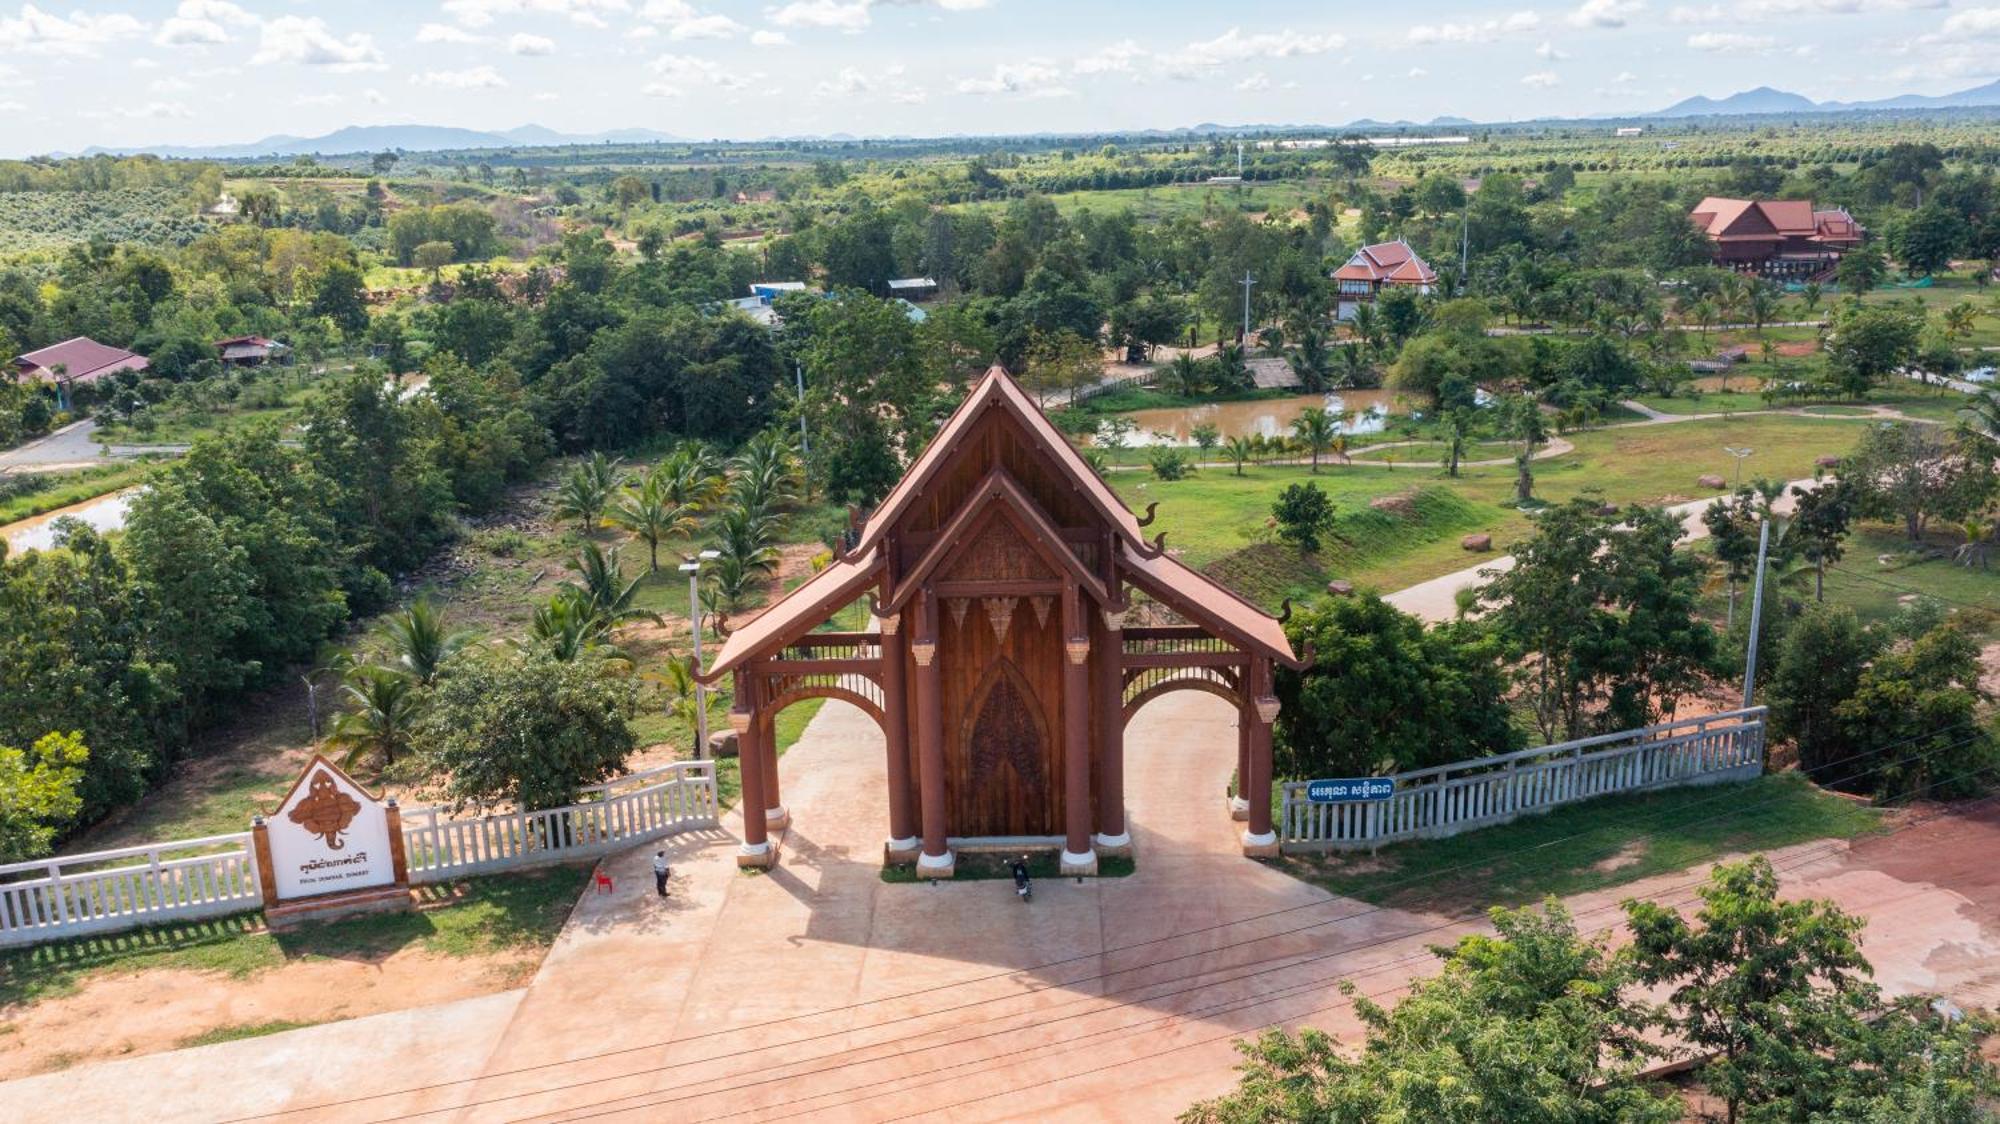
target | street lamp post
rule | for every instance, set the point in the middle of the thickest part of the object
(1739, 452)
(692, 568)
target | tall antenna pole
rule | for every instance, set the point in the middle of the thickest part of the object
(805, 444)
(1239, 160)
(1756, 616)
(1247, 282)
(1464, 247)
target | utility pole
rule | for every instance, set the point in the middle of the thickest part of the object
(1239, 160)
(692, 568)
(1756, 615)
(805, 445)
(1247, 282)
(1739, 452)
(1464, 246)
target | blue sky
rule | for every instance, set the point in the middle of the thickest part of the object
(205, 71)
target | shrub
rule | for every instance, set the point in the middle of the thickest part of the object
(1304, 514)
(1170, 462)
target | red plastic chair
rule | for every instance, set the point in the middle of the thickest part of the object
(603, 882)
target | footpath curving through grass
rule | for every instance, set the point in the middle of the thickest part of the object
(1589, 846)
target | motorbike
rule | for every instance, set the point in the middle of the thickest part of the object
(1023, 889)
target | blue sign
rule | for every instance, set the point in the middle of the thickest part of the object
(1350, 789)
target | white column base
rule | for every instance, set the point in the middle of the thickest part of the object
(1239, 809)
(763, 848)
(778, 818)
(762, 856)
(1118, 845)
(937, 866)
(912, 844)
(1262, 845)
(1074, 863)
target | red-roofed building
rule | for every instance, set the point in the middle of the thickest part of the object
(1783, 239)
(251, 351)
(77, 362)
(1373, 267)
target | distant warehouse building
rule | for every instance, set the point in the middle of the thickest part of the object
(913, 288)
(251, 351)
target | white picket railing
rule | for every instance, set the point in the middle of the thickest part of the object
(109, 890)
(194, 879)
(1448, 799)
(629, 810)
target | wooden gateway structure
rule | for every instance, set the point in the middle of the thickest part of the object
(1001, 571)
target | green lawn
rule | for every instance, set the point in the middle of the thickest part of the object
(1881, 569)
(473, 917)
(1589, 846)
(1043, 866)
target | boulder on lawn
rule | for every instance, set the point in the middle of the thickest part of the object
(1827, 460)
(1340, 587)
(1399, 504)
(1477, 543)
(1711, 480)
(721, 744)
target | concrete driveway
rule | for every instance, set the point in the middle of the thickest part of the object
(820, 992)
(74, 446)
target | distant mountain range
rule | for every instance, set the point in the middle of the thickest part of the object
(392, 138)
(355, 139)
(1765, 100)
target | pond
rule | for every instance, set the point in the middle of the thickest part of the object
(104, 513)
(1368, 411)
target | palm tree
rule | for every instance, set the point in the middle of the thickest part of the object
(1315, 429)
(421, 641)
(1958, 321)
(730, 583)
(652, 515)
(383, 707)
(1189, 375)
(1312, 362)
(567, 629)
(1978, 544)
(1231, 371)
(1354, 367)
(694, 475)
(766, 473)
(746, 536)
(1811, 296)
(602, 585)
(1240, 448)
(586, 490)
(1981, 413)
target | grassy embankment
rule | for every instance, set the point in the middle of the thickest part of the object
(62, 490)
(1590, 846)
(1218, 520)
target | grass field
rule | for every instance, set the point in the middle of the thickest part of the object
(1215, 514)
(1589, 846)
(1153, 204)
(468, 918)
(1881, 572)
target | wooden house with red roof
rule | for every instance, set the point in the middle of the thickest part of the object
(76, 362)
(1001, 666)
(1373, 268)
(1782, 239)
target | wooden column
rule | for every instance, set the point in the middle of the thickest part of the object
(903, 843)
(1239, 808)
(936, 859)
(1260, 710)
(1112, 837)
(776, 818)
(757, 849)
(1078, 857)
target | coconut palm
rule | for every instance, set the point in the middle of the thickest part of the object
(1312, 362)
(586, 490)
(421, 640)
(1188, 375)
(730, 581)
(693, 475)
(601, 583)
(567, 628)
(1315, 430)
(1354, 369)
(652, 515)
(1978, 545)
(746, 537)
(1241, 448)
(1231, 369)
(380, 723)
(765, 475)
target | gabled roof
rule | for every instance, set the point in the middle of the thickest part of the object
(82, 359)
(1390, 263)
(1166, 578)
(1739, 220)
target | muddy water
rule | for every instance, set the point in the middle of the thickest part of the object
(1368, 411)
(104, 513)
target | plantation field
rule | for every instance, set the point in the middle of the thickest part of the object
(32, 221)
(1155, 204)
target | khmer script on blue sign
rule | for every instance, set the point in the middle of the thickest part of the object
(1350, 789)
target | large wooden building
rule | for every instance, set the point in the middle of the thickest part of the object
(1005, 660)
(1782, 239)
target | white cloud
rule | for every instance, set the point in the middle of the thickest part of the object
(765, 38)
(446, 33)
(1419, 72)
(848, 82)
(318, 99)
(1541, 80)
(12, 107)
(1973, 23)
(530, 45)
(198, 23)
(35, 32)
(716, 26)
(471, 78)
(1605, 13)
(150, 111)
(679, 73)
(480, 13)
(1550, 52)
(1035, 78)
(1254, 83)
(1233, 46)
(1116, 58)
(307, 42)
(374, 97)
(1729, 42)
(850, 16)
(1481, 32)
(169, 85)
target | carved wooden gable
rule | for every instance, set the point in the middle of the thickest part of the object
(997, 551)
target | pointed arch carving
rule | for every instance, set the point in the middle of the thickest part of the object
(1004, 730)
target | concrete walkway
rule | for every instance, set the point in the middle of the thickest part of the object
(820, 992)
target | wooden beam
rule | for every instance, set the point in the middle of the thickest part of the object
(773, 668)
(1184, 659)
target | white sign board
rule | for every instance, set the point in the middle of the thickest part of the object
(329, 836)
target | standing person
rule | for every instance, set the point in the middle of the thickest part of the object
(660, 872)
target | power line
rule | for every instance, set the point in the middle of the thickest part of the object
(1285, 961)
(1251, 1001)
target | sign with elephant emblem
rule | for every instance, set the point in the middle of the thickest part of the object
(329, 836)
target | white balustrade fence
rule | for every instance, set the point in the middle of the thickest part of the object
(194, 879)
(1437, 802)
